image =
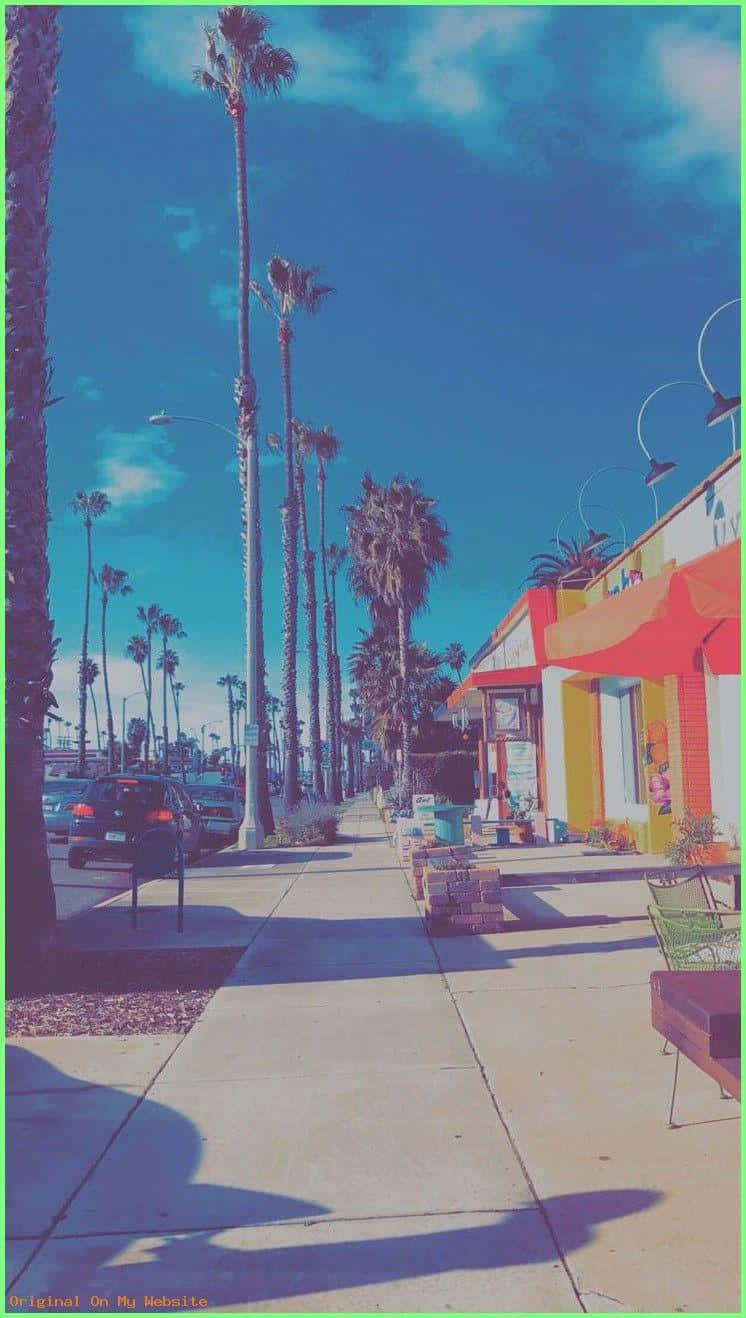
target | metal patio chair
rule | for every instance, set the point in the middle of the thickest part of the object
(685, 892)
(698, 939)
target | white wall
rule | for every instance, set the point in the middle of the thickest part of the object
(712, 519)
(514, 650)
(615, 804)
(554, 741)
(723, 728)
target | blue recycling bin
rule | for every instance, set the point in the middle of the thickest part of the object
(449, 823)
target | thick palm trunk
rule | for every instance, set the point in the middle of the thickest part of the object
(145, 689)
(329, 666)
(82, 683)
(107, 693)
(231, 729)
(249, 463)
(32, 55)
(165, 710)
(291, 787)
(309, 578)
(406, 733)
(350, 768)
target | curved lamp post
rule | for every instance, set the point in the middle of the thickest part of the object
(723, 407)
(658, 470)
(602, 508)
(596, 538)
(251, 835)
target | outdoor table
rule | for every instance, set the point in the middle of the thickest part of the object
(699, 1012)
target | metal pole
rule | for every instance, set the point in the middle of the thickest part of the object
(124, 715)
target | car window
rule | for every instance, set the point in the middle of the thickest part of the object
(61, 787)
(199, 793)
(124, 791)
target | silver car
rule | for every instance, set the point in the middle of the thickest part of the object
(57, 800)
(220, 808)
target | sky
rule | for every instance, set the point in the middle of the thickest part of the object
(527, 214)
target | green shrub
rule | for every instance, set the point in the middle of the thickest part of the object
(313, 824)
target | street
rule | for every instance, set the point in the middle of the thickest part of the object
(77, 890)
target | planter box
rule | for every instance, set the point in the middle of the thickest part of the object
(463, 901)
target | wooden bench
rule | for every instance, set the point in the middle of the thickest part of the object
(699, 1012)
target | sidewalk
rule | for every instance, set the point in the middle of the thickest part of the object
(365, 1120)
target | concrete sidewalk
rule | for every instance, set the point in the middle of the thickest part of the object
(367, 1120)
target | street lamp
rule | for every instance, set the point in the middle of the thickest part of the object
(596, 538)
(723, 407)
(601, 507)
(251, 834)
(215, 721)
(124, 716)
(658, 469)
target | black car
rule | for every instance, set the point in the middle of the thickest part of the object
(118, 808)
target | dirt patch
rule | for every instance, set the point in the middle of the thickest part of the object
(122, 992)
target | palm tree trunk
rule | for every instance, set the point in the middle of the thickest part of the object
(178, 727)
(350, 768)
(107, 693)
(337, 689)
(165, 708)
(406, 732)
(95, 716)
(331, 704)
(309, 577)
(145, 689)
(149, 720)
(291, 789)
(248, 466)
(32, 56)
(230, 725)
(83, 685)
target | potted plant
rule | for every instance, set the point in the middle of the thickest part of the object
(693, 841)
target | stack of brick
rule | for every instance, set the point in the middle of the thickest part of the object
(419, 857)
(462, 900)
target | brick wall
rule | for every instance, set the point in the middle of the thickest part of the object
(689, 762)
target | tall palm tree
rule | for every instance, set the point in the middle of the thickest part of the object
(335, 557)
(240, 60)
(304, 448)
(455, 657)
(137, 651)
(396, 542)
(240, 707)
(327, 446)
(274, 707)
(573, 566)
(112, 581)
(293, 289)
(32, 56)
(229, 681)
(150, 618)
(168, 662)
(169, 627)
(90, 507)
(92, 671)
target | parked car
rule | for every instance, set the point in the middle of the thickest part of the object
(221, 809)
(57, 801)
(118, 808)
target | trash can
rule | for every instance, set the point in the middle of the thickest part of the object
(449, 823)
(556, 830)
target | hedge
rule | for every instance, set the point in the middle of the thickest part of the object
(449, 775)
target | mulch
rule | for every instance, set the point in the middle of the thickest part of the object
(121, 992)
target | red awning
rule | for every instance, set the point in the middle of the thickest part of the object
(657, 627)
(493, 678)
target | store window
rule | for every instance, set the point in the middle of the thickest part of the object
(630, 711)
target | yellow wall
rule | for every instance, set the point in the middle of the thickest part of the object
(569, 602)
(577, 719)
(647, 558)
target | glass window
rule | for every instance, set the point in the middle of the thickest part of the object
(631, 719)
(121, 791)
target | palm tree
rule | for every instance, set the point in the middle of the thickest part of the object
(92, 671)
(112, 581)
(168, 662)
(137, 651)
(150, 618)
(335, 557)
(136, 735)
(455, 657)
(292, 289)
(574, 566)
(304, 448)
(32, 56)
(327, 446)
(229, 681)
(240, 60)
(274, 707)
(396, 541)
(88, 506)
(240, 708)
(169, 627)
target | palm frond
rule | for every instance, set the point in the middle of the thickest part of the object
(261, 295)
(207, 82)
(271, 68)
(275, 443)
(242, 27)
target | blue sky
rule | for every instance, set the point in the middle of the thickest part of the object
(527, 214)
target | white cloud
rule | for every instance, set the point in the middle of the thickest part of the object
(699, 77)
(87, 386)
(185, 227)
(223, 298)
(136, 469)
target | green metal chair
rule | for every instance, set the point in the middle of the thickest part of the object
(688, 892)
(698, 939)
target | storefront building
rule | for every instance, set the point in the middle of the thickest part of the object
(619, 703)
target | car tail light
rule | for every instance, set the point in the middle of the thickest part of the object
(82, 810)
(159, 816)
